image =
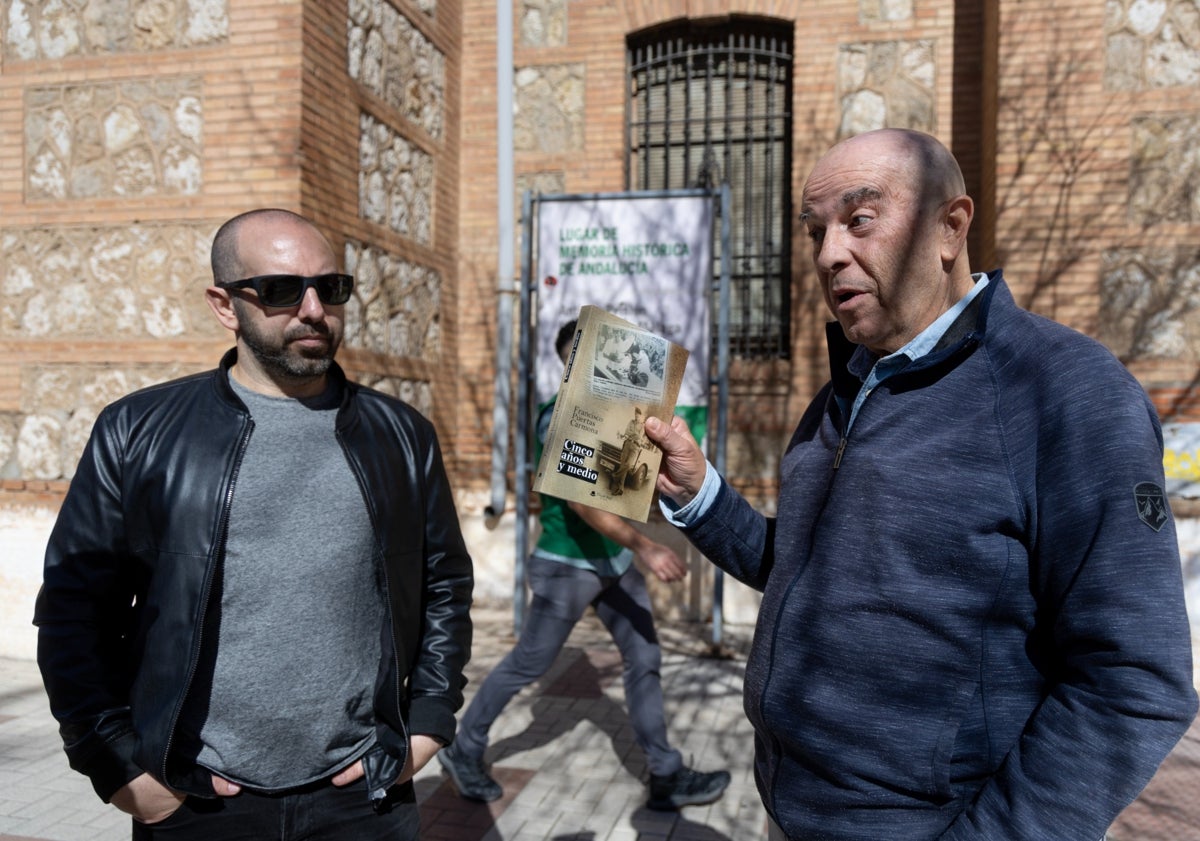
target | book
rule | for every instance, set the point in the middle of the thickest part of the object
(596, 451)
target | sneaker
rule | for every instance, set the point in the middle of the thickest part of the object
(469, 776)
(686, 787)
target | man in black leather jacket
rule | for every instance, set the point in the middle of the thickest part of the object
(254, 616)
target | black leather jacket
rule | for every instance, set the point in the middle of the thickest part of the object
(132, 557)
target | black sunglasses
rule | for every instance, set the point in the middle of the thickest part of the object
(287, 290)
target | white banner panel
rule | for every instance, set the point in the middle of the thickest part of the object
(648, 260)
(1181, 459)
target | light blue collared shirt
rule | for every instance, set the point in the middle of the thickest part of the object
(863, 365)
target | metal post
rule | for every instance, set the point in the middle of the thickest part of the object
(504, 268)
(722, 393)
(525, 374)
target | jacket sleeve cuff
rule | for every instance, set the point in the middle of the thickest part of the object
(109, 766)
(432, 717)
(688, 515)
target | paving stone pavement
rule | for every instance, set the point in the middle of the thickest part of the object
(563, 751)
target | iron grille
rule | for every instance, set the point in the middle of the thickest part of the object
(710, 101)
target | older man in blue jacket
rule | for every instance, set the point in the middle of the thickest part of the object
(972, 623)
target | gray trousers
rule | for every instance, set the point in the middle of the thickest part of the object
(561, 593)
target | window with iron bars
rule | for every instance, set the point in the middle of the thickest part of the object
(710, 102)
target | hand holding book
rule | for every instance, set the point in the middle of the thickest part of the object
(596, 451)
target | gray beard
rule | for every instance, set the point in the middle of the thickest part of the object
(278, 360)
(289, 366)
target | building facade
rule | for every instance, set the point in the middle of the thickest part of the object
(130, 130)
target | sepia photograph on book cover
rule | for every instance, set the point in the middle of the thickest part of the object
(596, 451)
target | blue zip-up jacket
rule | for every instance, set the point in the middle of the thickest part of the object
(972, 624)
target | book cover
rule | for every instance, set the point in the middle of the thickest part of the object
(596, 451)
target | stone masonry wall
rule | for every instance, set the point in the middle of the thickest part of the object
(41, 30)
(124, 176)
(85, 283)
(130, 129)
(387, 130)
(1097, 128)
(94, 281)
(128, 139)
(395, 61)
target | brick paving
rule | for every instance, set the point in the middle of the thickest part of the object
(563, 751)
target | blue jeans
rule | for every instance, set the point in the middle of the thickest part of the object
(561, 593)
(318, 812)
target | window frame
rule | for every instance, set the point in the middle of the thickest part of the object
(717, 61)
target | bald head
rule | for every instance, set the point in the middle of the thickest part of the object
(227, 260)
(925, 166)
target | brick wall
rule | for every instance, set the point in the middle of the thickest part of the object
(124, 147)
(1072, 119)
(1026, 93)
(332, 107)
(247, 86)
(1036, 98)
(1079, 241)
(768, 396)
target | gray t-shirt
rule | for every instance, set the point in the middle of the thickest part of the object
(290, 679)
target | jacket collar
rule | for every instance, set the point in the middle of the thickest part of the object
(227, 394)
(963, 336)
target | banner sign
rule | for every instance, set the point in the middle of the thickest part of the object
(645, 259)
(1181, 459)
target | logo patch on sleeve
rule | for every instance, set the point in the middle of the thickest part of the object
(1151, 504)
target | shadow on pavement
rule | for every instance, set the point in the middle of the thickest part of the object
(586, 677)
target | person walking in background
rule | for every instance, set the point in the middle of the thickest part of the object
(254, 615)
(584, 556)
(972, 623)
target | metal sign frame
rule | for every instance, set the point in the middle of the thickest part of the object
(526, 374)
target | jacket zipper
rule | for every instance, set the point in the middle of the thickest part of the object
(206, 592)
(387, 584)
(843, 410)
(776, 749)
